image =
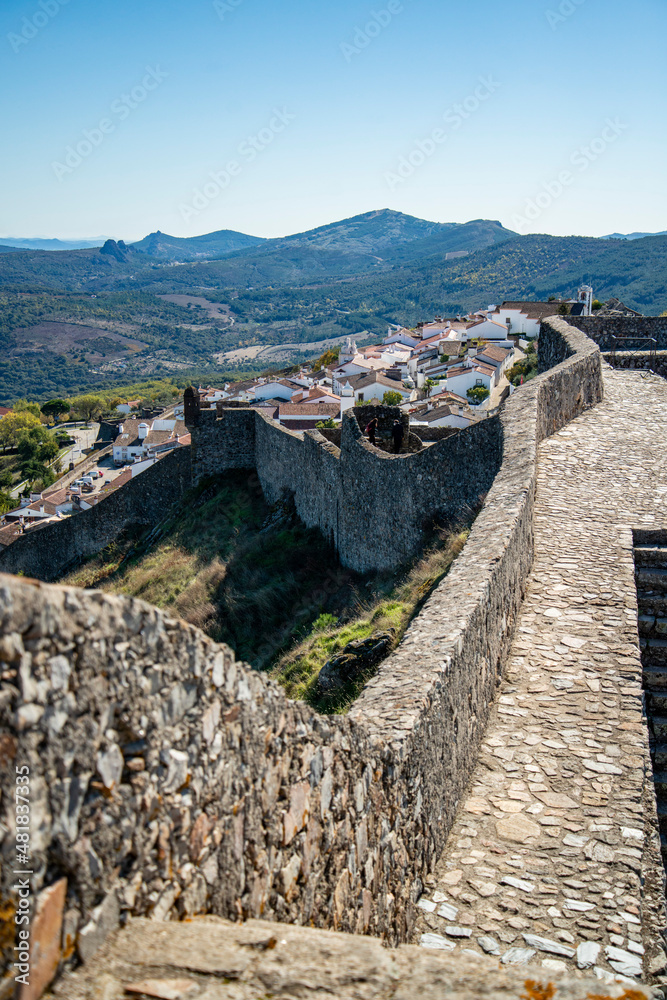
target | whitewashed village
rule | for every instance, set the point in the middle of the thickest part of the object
(444, 373)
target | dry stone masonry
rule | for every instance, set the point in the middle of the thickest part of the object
(48, 551)
(375, 507)
(169, 780)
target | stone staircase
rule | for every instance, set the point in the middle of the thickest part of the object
(651, 575)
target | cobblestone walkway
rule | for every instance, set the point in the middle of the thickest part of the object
(544, 862)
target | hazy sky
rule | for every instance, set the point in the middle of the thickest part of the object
(115, 114)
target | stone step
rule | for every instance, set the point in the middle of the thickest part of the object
(215, 959)
(651, 578)
(651, 555)
(654, 652)
(646, 625)
(651, 603)
(650, 536)
(658, 726)
(656, 704)
(652, 627)
(654, 679)
(659, 758)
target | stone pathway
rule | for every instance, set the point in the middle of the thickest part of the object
(544, 864)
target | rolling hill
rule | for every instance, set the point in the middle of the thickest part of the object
(341, 249)
(207, 247)
(208, 319)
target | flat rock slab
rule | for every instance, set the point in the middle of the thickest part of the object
(560, 816)
(259, 959)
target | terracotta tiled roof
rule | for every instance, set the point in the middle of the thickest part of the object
(497, 353)
(377, 378)
(129, 438)
(309, 409)
(533, 310)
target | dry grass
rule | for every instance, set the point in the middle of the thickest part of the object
(255, 578)
(298, 669)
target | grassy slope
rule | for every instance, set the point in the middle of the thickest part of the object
(255, 578)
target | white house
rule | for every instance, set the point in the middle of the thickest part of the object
(460, 379)
(405, 337)
(444, 416)
(143, 439)
(372, 387)
(495, 357)
(359, 365)
(487, 329)
(524, 317)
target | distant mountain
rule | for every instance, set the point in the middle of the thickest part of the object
(39, 244)
(342, 249)
(632, 236)
(385, 233)
(207, 247)
(351, 247)
(397, 266)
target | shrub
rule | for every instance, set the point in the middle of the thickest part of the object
(478, 394)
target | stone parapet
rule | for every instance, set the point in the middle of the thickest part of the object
(48, 551)
(170, 780)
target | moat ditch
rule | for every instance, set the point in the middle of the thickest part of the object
(252, 576)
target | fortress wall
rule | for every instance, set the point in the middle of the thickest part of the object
(167, 779)
(640, 360)
(46, 552)
(376, 508)
(221, 439)
(430, 699)
(392, 501)
(603, 330)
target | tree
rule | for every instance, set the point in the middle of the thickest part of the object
(6, 502)
(563, 309)
(55, 407)
(88, 407)
(23, 406)
(329, 424)
(13, 424)
(477, 394)
(36, 448)
(328, 358)
(596, 304)
(392, 398)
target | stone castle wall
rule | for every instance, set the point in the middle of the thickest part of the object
(45, 553)
(168, 779)
(604, 329)
(375, 507)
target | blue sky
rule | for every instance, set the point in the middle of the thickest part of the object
(317, 106)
